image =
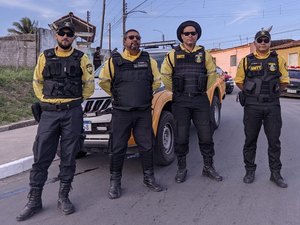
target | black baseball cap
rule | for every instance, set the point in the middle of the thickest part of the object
(66, 25)
(185, 24)
(262, 33)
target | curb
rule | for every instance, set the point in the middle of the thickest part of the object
(21, 124)
(15, 167)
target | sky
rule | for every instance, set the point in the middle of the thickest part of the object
(224, 23)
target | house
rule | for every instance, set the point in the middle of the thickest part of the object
(290, 52)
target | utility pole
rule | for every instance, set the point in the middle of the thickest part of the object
(102, 24)
(124, 17)
(109, 37)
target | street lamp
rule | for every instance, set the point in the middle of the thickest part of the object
(163, 36)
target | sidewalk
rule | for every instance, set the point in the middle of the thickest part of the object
(16, 147)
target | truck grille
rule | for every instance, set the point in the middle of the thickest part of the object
(94, 105)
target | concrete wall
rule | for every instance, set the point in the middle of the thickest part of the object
(18, 50)
(46, 40)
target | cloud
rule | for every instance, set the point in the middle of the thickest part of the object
(243, 16)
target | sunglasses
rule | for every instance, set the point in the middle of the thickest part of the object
(63, 33)
(131, 37)
(193, 33)
(265, 40)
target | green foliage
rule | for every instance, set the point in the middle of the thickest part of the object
(25, 26)
(16, 94)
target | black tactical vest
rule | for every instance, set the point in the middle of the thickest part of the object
(190, 74)
(62, 75)
(262, 78)
(132, 83)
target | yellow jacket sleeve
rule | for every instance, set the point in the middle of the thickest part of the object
(38, 79)
(211, 70)
(156, 75)
(284, 73)
(240, 72)
(105, 76)
(88, 83)
(167, 70)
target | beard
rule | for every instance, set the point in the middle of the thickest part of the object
(134, 46)
(64, 46)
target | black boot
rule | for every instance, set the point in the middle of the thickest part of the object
(181, 171)
(64, 203)
(33, 205)
(115, 186)
(249, 177)
(209, 170)
(278, 180)
(149, 179)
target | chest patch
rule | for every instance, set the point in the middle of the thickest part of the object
(140, 65)
(255, 67)
(180, 56)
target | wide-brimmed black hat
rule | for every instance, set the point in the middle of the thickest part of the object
(262, 33)
(185, 24)
(66, 25)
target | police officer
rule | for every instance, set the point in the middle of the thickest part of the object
(261, 75)
(130, 78)
(63, 77)
(97, 59)
(188, 70)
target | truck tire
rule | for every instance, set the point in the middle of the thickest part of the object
(215, 112)
(164, 148)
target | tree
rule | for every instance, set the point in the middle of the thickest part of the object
(25, 26)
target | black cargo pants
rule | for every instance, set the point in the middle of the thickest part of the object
(198, 110)
(270, 116)
(65, 125)
(123, 122)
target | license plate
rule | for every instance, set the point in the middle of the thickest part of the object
(87, 125)
(292, 91)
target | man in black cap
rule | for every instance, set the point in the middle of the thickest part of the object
(261, 76)
(188, 70)
(97, 59)
(63, 77)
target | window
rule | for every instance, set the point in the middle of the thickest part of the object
(233, 60)
(293, 59)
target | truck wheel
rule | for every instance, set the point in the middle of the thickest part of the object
(215, 112)
(164, 148)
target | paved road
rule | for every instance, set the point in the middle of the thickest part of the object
(198, 201)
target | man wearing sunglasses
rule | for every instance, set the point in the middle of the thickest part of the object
(130, 78)
(62, 78)
(188, 70)
(261, 76)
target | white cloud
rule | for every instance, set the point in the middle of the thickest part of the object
(243, 16)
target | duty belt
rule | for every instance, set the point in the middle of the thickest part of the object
(61, 106)
(190, 94)
(262, 99)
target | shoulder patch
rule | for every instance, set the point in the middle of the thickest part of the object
(89, 68)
